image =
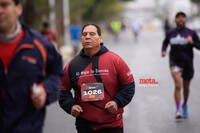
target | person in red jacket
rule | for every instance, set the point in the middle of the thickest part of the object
(103, 85)
(48, 34)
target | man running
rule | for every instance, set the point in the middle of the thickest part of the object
(103, 85)
(182, 41)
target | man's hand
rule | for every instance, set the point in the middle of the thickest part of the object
(164, 53)
(39, 98)
(190, 40)
(111, 107)
(76, 110)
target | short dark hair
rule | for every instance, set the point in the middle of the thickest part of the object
(180, 13)
(97, 27)
(17, 2)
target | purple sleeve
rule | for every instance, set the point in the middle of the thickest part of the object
(196, 41)
(165, 43)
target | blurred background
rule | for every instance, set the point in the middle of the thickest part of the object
(134, 29)
(61, 14)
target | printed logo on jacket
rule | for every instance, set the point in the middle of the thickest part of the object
(91, 72)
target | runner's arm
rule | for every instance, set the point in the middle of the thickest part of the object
(196, 41)
(127, 84)
(165, 43)
(125, 94)
(54, 71)
(66, 100)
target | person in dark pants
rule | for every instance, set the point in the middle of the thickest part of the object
(182, 41)
(30, 71)
(104, 130)
(103, 85)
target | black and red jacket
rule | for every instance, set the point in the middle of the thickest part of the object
(108, 69)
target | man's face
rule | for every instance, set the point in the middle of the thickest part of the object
(180, 21)
(90, 38)
(9, 13)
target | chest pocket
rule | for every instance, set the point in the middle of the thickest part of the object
(28, 63)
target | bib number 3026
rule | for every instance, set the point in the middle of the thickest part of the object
(92, 92)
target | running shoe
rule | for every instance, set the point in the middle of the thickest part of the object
(178, 114)
(185, 111)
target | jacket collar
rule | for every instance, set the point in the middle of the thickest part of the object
(27, 40)
(180, 28)
(101, 51)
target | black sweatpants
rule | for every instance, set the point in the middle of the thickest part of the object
(104, 130)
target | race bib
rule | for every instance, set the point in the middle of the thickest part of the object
(92, 92)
